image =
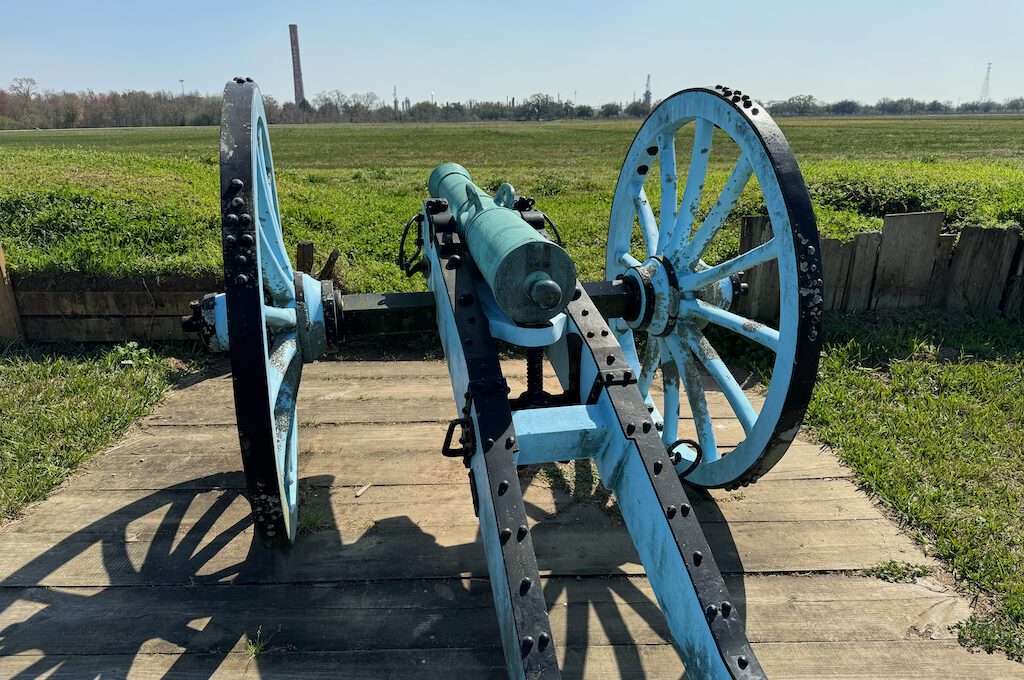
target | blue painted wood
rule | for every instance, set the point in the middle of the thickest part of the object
(558, 433)
(283, 358)
(675, 223)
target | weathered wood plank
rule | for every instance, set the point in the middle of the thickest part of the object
(836, 257)
(940, 273)
(981, 268)
(762, 302)
(434, 505)
(10, 318)
(105, 303)
(1013, 296)
(862, 271)
(208, 458)
(906, 258)
(445, 613)
(103, 329)
(905, 660)
(393, 546)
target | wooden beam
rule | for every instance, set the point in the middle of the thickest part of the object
(304, 257)
(981, 268)
(862, 271)
(10, 320)
(762, 302)
(906, 258)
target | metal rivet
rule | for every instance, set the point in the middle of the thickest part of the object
(627, 375)
(642, 170)
(237, 202)
(590, 334)
(237, 183)
(659, 426)
(542, 641)
(585, 312)
(742, 662)
(650, 408)
(726, 609)
(229, 239)
(454, 262)
(577, 293)
(465, 299)
(488, 443)
(676, 457)
(231, 219)
(609, 377)
(523, 531)
(241, 259)
(652, 150)
(611, 359)
(747, 104)
(527, 645)
(670, 511)
(502, 487)
(658, 465)
(684, 509)
(524, 585)
(630, 428)
(246, 218)
(604, 334)
(510, 441)
(698, 557)
(241, 279)
(754, 111)
(505, 534)
(646, 427)
(711, 611)
(247, 239)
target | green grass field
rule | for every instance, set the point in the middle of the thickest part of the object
(144, 201)
(927, 409)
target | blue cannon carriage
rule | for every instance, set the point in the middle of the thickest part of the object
(494, 274)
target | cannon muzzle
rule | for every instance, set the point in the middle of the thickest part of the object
(532, 278)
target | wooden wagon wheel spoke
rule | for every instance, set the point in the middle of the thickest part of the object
(262, 315)
(681, 295)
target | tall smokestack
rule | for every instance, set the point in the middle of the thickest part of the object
(300, 96)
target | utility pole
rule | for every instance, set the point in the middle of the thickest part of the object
(984, 97)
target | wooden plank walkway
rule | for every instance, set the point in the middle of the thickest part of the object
(143, 564)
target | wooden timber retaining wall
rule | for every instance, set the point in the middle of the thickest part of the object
(910, 264)
(79, 308)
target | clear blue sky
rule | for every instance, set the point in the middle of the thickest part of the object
(463, 50)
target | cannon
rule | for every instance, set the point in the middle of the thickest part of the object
(495, 278)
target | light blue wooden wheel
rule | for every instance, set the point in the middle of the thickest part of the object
(266, 360)
(640, 234)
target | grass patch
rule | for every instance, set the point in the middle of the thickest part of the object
(929, 410)
(145, 202)
(60, 405)
(898, 572)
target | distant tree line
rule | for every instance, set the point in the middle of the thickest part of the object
(806, 105)
(24, 106)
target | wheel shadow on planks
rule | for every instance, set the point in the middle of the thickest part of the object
(144, 564)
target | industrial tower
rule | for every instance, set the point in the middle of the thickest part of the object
(300, 96)
(647, 92)
(984, 97)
